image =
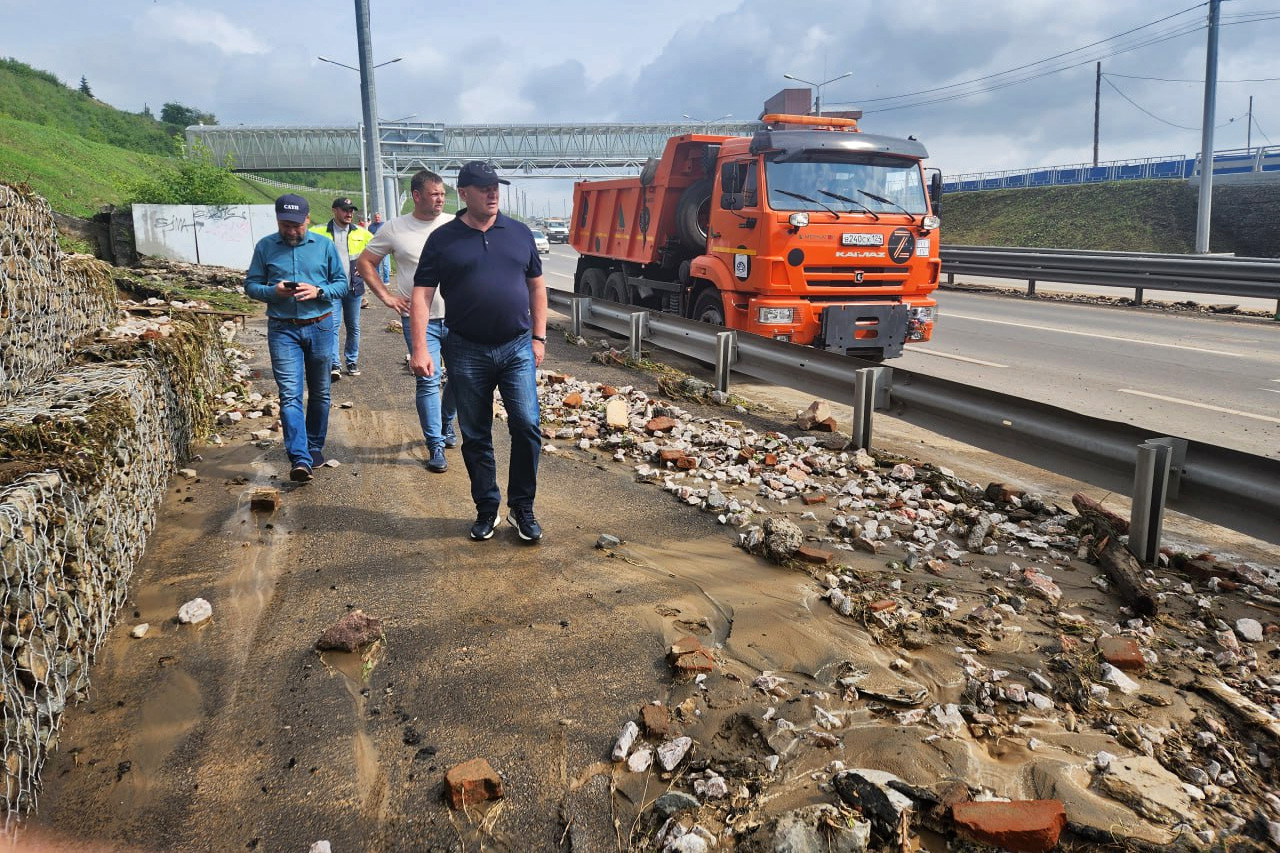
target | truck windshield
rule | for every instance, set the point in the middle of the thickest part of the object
(881, 184)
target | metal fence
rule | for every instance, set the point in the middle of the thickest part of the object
(1256, 278)
(1229, 162)
(1238, 490)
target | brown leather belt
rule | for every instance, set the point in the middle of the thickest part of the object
(303, 322)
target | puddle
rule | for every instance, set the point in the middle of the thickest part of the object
(355, 669)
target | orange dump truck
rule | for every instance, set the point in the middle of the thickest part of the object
(809, 231)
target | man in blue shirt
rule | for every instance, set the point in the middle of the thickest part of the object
(300, 276)
(490, 275)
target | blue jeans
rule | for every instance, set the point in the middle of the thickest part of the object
(347, 310)
(476, 369)
(436, 410)
(300, 355)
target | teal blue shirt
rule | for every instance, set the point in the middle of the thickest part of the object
(314, 261)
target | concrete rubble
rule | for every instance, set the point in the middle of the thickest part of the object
(1112, 713)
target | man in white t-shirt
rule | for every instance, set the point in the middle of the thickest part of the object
(404, 237)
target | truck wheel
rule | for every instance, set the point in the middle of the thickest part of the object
(615, 289)
(709, 307)
(693, 215)
(592, 283)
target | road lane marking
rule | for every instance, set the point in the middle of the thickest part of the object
(561, 274)
(1094, 335)
(1225, 411)
(936, 354)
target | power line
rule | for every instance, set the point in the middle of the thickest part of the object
(1153, 40)
(1039, 61)
(1188, 80)
(1162, 120)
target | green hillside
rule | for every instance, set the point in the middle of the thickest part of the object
(1128, 216)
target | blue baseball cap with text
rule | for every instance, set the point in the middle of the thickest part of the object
(292, 208)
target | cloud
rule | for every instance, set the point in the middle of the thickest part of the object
(200, 26)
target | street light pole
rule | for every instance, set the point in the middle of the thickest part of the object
(817, 101)
(368, 101)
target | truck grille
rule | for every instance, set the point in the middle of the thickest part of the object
(846, 276)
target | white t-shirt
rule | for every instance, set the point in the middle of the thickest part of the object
(404, 237)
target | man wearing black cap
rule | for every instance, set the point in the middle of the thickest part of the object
(301, 278)
(490, 275)
(350, 239)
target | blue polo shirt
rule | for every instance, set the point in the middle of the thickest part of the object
(314, 261)
(483, 277)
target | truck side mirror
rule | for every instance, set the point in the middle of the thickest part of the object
(731, 175)
(935, 191)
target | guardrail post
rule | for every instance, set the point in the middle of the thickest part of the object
(639, 328)
(578, 311)
(1277, 317)
(1031, 287)
(726, 355)
(1150, 485)
(951, 279)
(1137, 296)
(864, 403)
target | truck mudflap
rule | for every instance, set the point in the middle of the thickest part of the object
(854, 327)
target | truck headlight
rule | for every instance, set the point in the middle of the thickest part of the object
(921, 315)
(798, 220)
(776, 316)
(930, 223)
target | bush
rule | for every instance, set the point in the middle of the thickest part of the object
(195, 178)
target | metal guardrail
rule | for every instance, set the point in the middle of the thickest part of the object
(1257, 278)
(1237, 490)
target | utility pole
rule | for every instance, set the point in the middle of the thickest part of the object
(1097, 111)
(1206, 131)
(369, 103)
(1248, 138)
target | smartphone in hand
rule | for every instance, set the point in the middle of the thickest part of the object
(289, 285)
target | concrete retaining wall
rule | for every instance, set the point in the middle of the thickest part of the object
(86, 451)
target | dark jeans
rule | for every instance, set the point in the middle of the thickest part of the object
(300, 356)
(475, 370)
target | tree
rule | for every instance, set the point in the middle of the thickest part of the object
(84, 87)
(194, 178)
(184, 116)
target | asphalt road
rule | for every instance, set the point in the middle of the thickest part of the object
(1213, 378)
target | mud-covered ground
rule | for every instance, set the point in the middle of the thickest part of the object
(235, 734)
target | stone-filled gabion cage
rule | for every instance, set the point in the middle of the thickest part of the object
(90, 429)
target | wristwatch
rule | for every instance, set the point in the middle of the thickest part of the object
(541, 338)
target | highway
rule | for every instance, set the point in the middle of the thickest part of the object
(1210, 378)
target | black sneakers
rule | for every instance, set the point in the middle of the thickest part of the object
(484, 526)
(521, 518)
(300, 473)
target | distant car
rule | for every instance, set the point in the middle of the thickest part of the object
(540, 240)
(557, 231)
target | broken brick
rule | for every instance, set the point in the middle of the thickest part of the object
(1122, 653)
(1026, 826)
(572, 400)
(472, 782)
(809, 554)
(662, 423)
(813, 498)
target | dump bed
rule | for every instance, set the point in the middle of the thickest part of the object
(629, 219)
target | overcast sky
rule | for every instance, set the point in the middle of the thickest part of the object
(603, 60)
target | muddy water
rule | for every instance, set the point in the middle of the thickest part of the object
(355, 669)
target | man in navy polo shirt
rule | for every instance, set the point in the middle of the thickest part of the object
(300, 277)
(490, 275)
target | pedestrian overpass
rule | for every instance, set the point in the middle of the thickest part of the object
(520, 150)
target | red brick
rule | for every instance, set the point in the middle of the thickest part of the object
(608, 390)
(590, 431)
(662, 423)
(698, 661)
(814, 498)
(687, 463)
(882, 605)
(683, 646)
(264, 500)
(556, 378)
(744, 455)
(1026, 826)
(668, 454)
(809, 554)
(824, 425)
(472, 782)
(771, 459)
(655, 720)
(1122, 653)
(572, 400)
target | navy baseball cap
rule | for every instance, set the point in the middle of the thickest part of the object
(344, 203)
(478, 173)
(292, 208)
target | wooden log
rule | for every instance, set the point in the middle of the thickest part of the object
(1124, 569)
(1087, 506)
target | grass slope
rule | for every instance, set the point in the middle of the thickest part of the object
(1130, 216)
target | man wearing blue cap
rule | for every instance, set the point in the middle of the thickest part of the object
(301, 277)
(490, 275)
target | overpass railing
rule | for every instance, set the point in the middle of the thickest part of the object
(1228, 162)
